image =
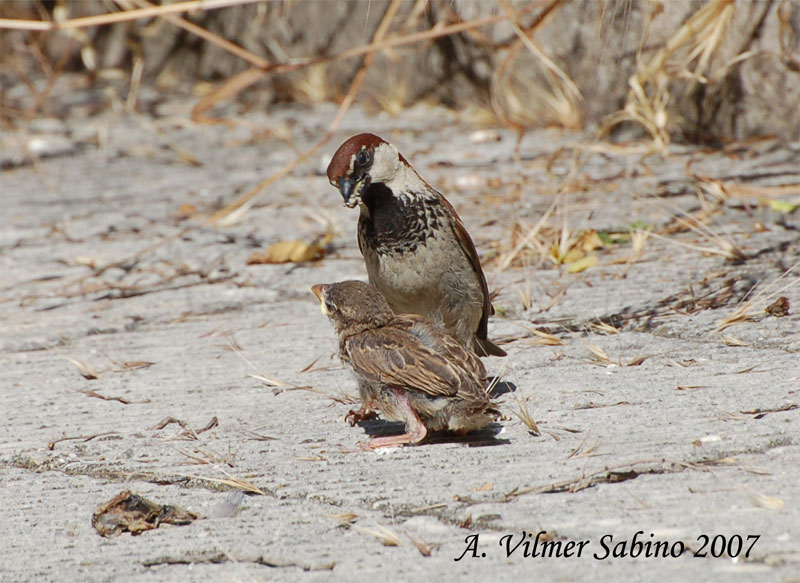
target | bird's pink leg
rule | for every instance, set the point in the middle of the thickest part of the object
(415, 428)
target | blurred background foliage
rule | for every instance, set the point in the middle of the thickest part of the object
(677, 70)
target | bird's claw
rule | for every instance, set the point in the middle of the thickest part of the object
(355, 417)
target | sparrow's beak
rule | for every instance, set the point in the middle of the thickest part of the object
(319, 290)
(351, 189)
(346, 186)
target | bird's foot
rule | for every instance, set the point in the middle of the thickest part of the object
(394, 440)
(415, 428)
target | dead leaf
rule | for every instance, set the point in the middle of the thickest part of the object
(590, 241)
(296, 251)
(184, 211)
(582, 264)
(783, 206)
(574, 255)
(132, 513)
(779, 308)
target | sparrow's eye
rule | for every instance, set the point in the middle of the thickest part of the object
(362, 158)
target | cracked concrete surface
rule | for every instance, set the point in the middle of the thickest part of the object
(668, 426)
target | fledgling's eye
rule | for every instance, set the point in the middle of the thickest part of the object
(330, 306)
(362, 158)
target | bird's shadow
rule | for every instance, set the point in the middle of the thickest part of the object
(485, 437)
(376, 427)
(500, 387)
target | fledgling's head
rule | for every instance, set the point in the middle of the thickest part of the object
(363, 160)
(353, 305)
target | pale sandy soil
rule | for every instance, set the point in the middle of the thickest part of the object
(682, 431)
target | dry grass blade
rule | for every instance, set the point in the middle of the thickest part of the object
(200, 457)
(97, 395)
(541, 338)
(428, 507)
(232, 344)
(233, 211)
(686, 55)
(52, 444)
(639, 360)
(521, 99)
(599, 355)
(383, 534)
(786, 35)
(84, 368)
(188, 432)
(638, 238)
(268, 381)
(492, 384)
(425, 549)
(724, 246)
(386, 537)
(638, 241)
(545, 338)
(310, 366)
(708, 186)
(527, 241)
(369, 57)
(255, 436)
(232, 481)
(124, 16)
(733, 341)
(525, 295)
(414, 38)
(581, 452)
(725, 249)
(523, 414)
(605, 328)
(345, 519)
(767, 502)
(131, 365)
(228, 89)
(235, 49)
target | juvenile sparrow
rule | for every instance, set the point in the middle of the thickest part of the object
(416, 249)
(407, 369)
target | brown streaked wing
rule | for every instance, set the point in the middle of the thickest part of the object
(394, 357)
(448, 347)
(469, 249)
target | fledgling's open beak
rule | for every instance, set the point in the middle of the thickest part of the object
(319, 291)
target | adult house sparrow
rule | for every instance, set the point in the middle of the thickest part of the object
(407, 369)
(416, 249)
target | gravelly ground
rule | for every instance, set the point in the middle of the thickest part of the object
(682, 431)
